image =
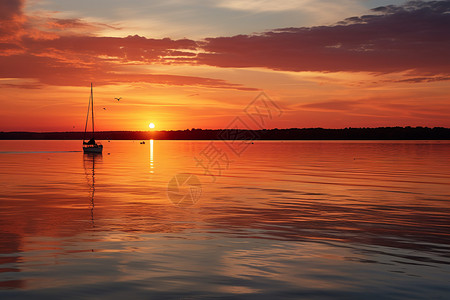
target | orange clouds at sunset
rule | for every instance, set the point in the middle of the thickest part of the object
(387, 67)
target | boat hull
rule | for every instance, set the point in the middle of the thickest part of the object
(93, 149)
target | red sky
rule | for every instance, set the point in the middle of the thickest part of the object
(387, 67)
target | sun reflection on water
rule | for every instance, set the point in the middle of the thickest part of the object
(151, 156)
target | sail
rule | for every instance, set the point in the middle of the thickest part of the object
(90, 110)
(91, 146)
(90, 142)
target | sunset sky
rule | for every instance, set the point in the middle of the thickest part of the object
(196, 63)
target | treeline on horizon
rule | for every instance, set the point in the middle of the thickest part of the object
(379, 133)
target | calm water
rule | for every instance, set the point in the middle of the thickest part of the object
(282, 220)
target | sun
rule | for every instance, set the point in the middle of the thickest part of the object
(151, 125)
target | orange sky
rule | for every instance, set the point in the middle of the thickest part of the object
(387, 66)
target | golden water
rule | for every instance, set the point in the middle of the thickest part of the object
(286, 219)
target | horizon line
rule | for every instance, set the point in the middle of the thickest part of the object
(262, 129)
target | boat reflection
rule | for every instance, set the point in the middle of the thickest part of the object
(89, 161)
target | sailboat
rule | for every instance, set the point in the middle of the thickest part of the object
(91, 146)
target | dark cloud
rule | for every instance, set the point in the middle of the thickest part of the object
(77, 24)
(66, 23)
(425, 79)
(21, 86)
(11, 19)
(10, 9)
(131, 48)
(9, 46)
(395, 38)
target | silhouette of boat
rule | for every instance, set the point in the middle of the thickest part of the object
(91, 146)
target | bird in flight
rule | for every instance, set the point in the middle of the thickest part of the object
(118, 99)
(104, 108)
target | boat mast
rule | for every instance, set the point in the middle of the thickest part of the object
(87, 119)
(92, 99)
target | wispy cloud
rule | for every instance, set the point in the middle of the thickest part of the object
(336, 105)
(309, 6)
(372, 107)
(425, 79)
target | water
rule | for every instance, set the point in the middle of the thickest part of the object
(300, 219)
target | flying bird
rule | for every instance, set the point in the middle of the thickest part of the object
(104, 108)
(118, 99)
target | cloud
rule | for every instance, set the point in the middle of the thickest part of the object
(336, 105)
(424, 79)
(54, 72)
(412, 37)
(381, 107)
(311, 6)
(67, 27)
(9, 9)
(60, 52)
(21, 86)
(56, 23)
(392, 39)
(11, 18)
(9, 48)
(129, 49)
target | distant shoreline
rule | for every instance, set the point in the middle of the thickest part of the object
(379, 133)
